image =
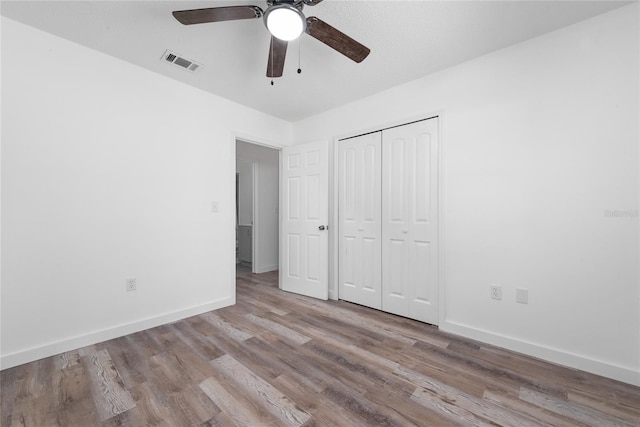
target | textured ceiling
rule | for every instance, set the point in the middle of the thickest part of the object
(408, 39)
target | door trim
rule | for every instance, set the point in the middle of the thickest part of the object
(255, 218)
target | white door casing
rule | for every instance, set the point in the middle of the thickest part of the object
(304, 185)
(359, 207)
(410, 221)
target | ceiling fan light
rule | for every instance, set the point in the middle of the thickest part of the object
(285, 21)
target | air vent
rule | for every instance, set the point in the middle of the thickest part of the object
(180, 61)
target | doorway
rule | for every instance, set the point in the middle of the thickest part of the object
(257, 216)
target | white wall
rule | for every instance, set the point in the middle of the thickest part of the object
(108, 172)
(244, 168)
(540, 140)
(267, 189)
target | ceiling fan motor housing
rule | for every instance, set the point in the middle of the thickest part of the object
(295, 3)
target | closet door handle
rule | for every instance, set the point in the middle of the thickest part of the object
(321, 228)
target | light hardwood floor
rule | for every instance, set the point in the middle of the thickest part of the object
(278, 359)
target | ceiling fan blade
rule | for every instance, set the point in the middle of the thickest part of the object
(217, 14)
(277, 53)
(311, 2)
(335, 39)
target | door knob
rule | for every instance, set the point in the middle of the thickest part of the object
(322, 227)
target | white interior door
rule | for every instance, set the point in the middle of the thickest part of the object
(359, 211)
(410, 221)
(304, 217)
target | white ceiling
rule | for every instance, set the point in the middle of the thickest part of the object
(408, 39)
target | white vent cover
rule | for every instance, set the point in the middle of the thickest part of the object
(180, 61)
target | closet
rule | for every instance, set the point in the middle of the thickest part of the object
(388, 220)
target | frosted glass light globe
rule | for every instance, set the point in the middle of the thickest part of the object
(285, 22)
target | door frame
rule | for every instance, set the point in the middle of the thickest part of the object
(334, 201)
(255, 218)
(235, 137)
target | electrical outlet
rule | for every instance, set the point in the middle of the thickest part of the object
(131, 284)
(522, 295)
(496, 292)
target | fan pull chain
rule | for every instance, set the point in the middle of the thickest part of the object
(299, 43)
(271, 59)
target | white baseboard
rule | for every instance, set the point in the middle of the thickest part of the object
(266, 269)
(51, 349)
(625, 374)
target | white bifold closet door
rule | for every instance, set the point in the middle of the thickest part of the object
(389, 220)
(409, 221)
(359, 267)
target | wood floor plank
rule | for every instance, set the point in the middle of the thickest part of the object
(149, 409)
(511, 401)
(278, 329)
(198, 402)
(585, 415)
(235, 405)
(33, 390)
(179, 349)
(453, 411)
(244, 351)
(285, 361)
(8, 391)
(348, 346)
(354, 368)
(235, 333)
(219, 420)
(67, 359)
(276, 403)
(108, 391)
(471, 365)
(280, 359)
(72, 394)
(129, 363)
(264, 305)
(169, 372)
(611, 407)
(450, 400)
(370, 413)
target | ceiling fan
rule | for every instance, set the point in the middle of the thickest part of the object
(285, 21)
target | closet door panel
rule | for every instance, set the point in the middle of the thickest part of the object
(395, 285)
(394, 174)
(422, 179)
(359, 177)
(348, 262)
(396, 170)
(420, 267)
(409, 215)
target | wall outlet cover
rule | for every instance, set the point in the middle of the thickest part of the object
(522, 295)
